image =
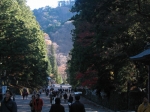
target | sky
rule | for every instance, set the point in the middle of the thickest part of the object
(35, 4)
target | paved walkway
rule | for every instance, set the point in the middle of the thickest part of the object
(23, 105)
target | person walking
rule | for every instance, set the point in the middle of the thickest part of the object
(51, 97)
(70, 100)
(26, 94)
(65, 97)
(7, 104)
(34, 92)
(31, 103)
(77, 106)
(57, 107)
(145, 106)
(13, 95)
(23, 95)
(38, 103)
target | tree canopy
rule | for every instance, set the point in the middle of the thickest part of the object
(23, 53)
(106, 34)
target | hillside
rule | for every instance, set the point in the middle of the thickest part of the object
(55, 23)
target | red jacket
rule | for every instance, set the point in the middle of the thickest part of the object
(38, 104)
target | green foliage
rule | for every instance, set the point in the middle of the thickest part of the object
(106, 34)
(52, 58)
(22, 45)
(50, 20)
(54, 72)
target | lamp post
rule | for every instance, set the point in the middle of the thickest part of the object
(145, 58)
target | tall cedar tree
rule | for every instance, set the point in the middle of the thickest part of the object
(106, 34)
(23, 55)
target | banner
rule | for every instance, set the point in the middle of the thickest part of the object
(4, 88)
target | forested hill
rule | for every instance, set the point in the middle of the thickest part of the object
(50, 19)
(53, 21)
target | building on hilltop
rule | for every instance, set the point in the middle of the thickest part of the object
(66, 3)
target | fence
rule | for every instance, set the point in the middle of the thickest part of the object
(116, 101)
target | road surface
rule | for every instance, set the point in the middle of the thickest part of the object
(23, 105)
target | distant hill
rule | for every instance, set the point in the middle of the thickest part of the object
(50, 19)
(63, 37)
(55, 22)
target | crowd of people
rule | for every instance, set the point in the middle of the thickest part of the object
(63, 94)
(55, 97)
(36, 103)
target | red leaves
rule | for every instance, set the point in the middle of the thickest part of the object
(86, 34)
(88, 78)
(90, 82)
(79, 75)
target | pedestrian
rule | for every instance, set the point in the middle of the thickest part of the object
(77, 106)
(70, 100)
(13, 96)
(34, 92)
(40, 91)
(145, 106)
(26, 94)
(60, 95)
(57, 107)
(50, 96)
(7, 104)
(23, 94)
(65, 97)
(31, 103)
(38, 103)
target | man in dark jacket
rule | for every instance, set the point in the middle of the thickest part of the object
(65, 97)
(70, 100)
(57, 107)
(77, 106)
(7, 104)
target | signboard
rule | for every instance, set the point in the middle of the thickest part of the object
(4, 88)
